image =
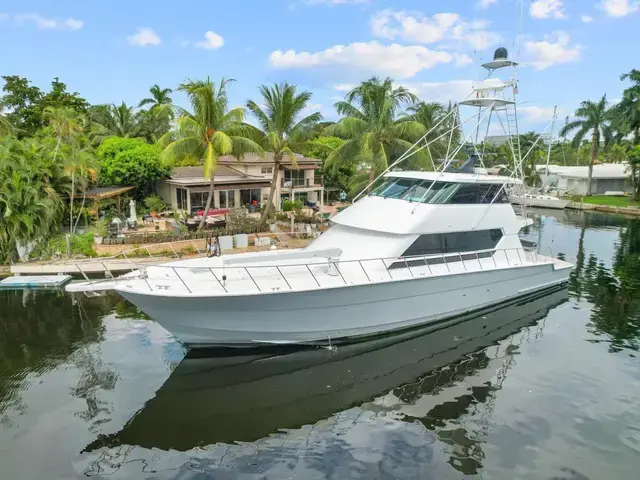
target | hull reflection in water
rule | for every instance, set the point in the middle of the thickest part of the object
(245, 397)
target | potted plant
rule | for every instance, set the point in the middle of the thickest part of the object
(155, 205)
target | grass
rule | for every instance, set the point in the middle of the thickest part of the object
(611, 201)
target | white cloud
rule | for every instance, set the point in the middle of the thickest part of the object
(553, 50)
(587, 18)
(440, 27)
(536, 114)
(74, 24)
(344, 87)
(620, 8)
(442, 92)
(486, 3)
(212, 41)
(395, 60)
(44, 23)
(547, 9)
(145, 36)
(462, 59)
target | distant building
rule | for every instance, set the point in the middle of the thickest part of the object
(607, 177)
(496, 140)
(242, 183)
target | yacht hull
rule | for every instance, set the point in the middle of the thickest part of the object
(555, 204)
(339, 315)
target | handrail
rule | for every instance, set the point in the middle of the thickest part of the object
(338, 266)
(401, 259)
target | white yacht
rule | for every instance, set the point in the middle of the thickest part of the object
(537, 200)
(421, 248)
(399, 258)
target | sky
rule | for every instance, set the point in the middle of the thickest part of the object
(113, 50)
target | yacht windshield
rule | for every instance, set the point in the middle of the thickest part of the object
(429, 191)
(413, 190)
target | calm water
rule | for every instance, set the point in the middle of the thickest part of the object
(544, 389)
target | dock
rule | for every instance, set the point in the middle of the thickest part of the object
(35, 281)
(83, 266)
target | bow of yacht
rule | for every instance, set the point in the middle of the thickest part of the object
(423, 247)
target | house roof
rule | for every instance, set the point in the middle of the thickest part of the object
(267, 159)
(197, 172)
(102, 193)
(194, 176)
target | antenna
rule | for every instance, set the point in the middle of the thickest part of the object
(520, 28)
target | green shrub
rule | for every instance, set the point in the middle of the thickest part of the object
(130, 162)
(288, 205)
(57, 245)
(101, 227)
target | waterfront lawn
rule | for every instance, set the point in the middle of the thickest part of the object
(611, 201)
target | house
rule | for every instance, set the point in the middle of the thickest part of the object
(240, 183)
(607, 177)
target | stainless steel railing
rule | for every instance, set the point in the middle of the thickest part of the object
(495, 258)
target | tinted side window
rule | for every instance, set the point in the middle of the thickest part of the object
(467, 193)
(488, 191)
(454, 242)
(470, 241)
(426, 245)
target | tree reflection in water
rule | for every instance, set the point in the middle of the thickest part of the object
(613, 292)
(43, 329)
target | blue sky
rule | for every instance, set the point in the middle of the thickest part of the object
(114, 50)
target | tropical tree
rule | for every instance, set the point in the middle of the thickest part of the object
(208, 132)
(593, 118)
(629, 107)
(130, 161)
(159, 96)
(376, 133)
(284, 129)
(29, 206)
(113, 121)
(633, 156)
(82, 167)
(65, 123)
(6, 127)
(431, 116)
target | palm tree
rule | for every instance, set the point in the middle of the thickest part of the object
(65, 122)
(629, 108)
(82, 167)
(284, 130)
(208, 132)
(431, 116)
(113, 121)
(595, 118)
(376, 134)
(159, 96)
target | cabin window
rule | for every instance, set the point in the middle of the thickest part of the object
(440, 193)
(466, 194)
(454, 242)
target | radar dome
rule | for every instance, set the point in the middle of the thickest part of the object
(501, 54)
